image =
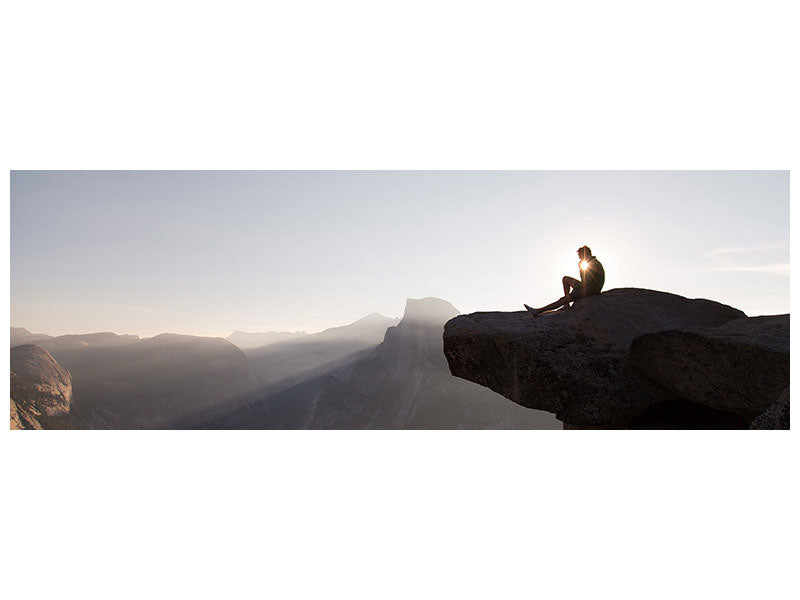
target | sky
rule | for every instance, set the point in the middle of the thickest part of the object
(208, 253)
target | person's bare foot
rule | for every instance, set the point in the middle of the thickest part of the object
(533, 311)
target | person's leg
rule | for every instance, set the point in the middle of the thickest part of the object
(568, 283)
(552, 306)
(557, 304)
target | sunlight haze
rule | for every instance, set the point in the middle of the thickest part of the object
(212, 252)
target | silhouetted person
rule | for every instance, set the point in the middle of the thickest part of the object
(593, 276)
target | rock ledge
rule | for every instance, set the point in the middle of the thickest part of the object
(628, 358)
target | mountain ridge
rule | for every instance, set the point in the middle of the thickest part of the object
(401, 383)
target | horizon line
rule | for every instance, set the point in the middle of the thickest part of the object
(146, 335)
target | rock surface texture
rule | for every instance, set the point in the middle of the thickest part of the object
(40, 387)
(740, 367)
(776, 416)
(629, 358)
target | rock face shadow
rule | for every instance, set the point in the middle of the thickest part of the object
(682, 414)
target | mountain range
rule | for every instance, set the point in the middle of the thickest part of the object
(403, 382)
(377, 372)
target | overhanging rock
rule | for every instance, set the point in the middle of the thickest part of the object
(576, 363)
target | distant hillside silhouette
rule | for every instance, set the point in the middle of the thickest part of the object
(20, 335)
(284, 364)
(248, 340)
(402, 383)
(122, 383)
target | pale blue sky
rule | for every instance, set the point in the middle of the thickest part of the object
(210, 252)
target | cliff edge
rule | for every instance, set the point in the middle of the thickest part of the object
(630, 358)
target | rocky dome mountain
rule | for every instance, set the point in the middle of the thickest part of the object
(428, 310)
(631, 358)
(40, 387)
(402, 383)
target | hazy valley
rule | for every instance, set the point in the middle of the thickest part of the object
(377, 372)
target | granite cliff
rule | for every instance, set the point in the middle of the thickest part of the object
(40, 388)
(631, 358)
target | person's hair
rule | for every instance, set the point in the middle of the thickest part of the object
(586, 250)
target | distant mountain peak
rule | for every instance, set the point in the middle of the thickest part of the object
(429, 309)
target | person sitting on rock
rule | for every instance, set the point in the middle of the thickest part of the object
(593, 276)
